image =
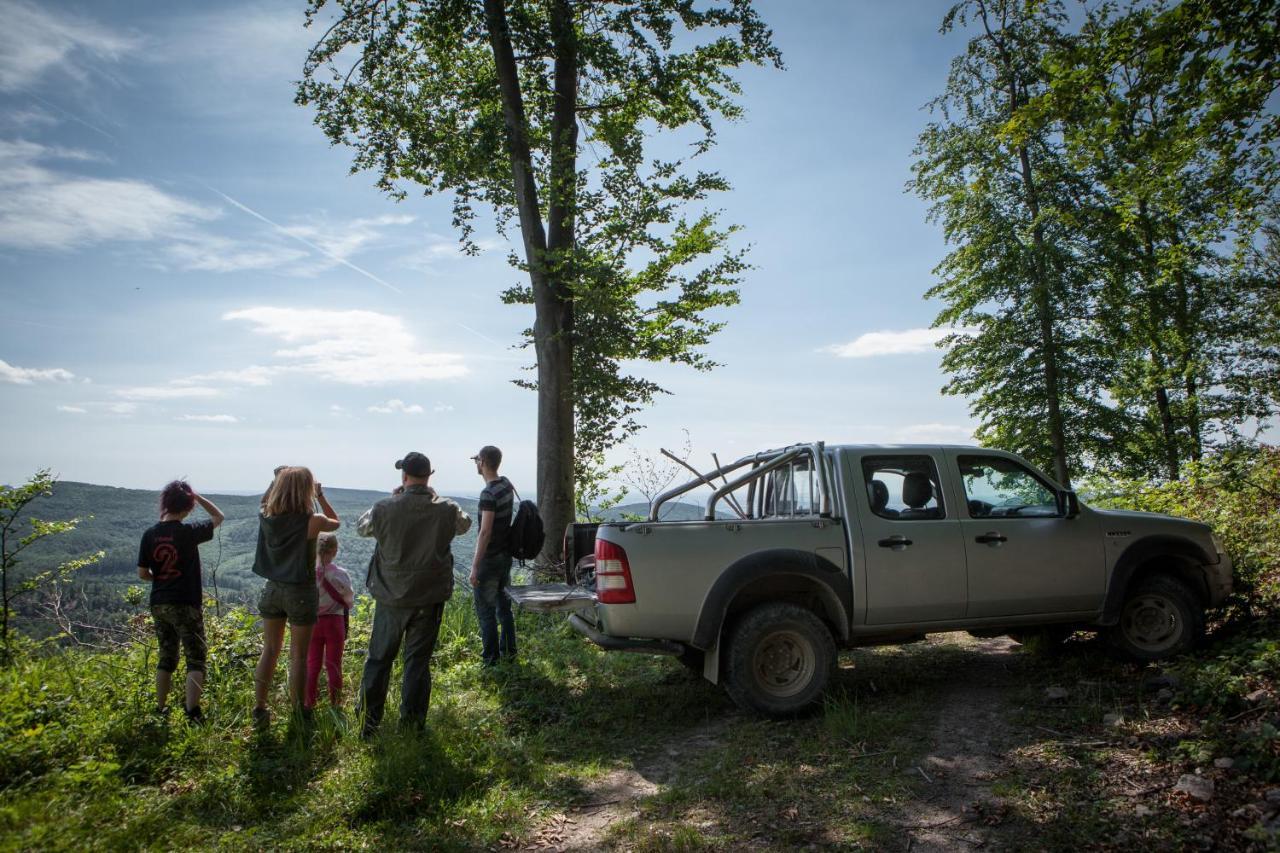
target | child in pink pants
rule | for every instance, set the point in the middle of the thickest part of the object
(330, 635)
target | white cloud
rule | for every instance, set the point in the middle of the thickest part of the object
(935, 433)
(202, 252)
(29, 118)
(122, 408)
(34, 41)
(244, 42)
(441, 248)
(352, 347)
(167, 392)
(45, 209)
(341, 240)
(442, 407)
(905, 342)
(74, 410)
(210, 419)
(392, 407)
(254, 374)
(31, 375)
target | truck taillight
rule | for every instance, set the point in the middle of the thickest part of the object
(613, 575)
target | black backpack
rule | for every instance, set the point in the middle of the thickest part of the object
(527, 534)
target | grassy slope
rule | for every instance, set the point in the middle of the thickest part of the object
(85, 764)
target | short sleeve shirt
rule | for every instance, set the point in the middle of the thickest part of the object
(496, 497)
(170, 550)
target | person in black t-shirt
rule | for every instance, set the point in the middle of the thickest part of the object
(491, 567)
(169, 557)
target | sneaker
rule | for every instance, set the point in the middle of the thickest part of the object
(194, 715)
(262, 719)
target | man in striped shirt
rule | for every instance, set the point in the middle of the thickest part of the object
(491, 566)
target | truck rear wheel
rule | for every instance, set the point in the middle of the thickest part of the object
(1161, 617)
(780, 660)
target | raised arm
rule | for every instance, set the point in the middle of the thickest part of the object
(322, 522)
(208, 506)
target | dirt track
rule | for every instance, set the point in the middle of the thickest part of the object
(953, 807)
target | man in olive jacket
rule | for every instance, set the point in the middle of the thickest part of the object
(410, 578)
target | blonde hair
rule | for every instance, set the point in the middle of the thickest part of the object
(292, 493)
(327, 544)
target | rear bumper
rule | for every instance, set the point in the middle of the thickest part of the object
(624, 644)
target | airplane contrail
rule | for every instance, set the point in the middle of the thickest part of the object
(314, 247)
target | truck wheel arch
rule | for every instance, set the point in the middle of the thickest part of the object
(1152, 554)
(799, 574)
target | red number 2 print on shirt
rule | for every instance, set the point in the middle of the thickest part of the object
(167, 556)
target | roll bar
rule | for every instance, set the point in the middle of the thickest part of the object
(761, 464)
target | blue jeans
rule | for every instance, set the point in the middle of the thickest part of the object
(493, 609)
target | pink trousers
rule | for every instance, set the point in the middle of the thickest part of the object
(327, 641)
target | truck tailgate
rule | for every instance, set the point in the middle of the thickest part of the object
(551, 597)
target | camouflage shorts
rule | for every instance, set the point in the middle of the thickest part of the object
(180, 624)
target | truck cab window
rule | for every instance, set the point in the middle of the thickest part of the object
(792, 490)
(996, 487)
(905, 488)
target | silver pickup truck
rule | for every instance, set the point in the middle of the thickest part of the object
(811, 547)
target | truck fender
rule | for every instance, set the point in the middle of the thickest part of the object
(827, 579)
(1138, 554)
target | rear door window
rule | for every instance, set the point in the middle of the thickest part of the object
(903, 488)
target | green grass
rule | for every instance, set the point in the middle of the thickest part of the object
(85, 763)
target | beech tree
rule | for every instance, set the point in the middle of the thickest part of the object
(540, 111)
(999, 185)
(1168, 131)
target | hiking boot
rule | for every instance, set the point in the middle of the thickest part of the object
(262, 719)
(195, 716)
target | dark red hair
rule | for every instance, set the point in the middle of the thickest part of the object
(176, 498)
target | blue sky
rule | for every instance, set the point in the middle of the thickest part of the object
(193, 284)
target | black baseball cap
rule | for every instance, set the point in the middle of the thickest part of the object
(414, 464)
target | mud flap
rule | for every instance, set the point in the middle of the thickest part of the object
(711, 663)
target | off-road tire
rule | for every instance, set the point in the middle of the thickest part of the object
(780, 659)
(1160, 618)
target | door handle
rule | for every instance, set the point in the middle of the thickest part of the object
(993, 539)
(896, 542)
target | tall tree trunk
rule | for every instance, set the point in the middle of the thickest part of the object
(555, 356)
(1015, 85)
(1048, 333)
(552, 313)
(1164, 410)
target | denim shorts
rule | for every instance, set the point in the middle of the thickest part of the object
(296, 602)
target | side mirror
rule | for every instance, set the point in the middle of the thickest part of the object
(1068, 504)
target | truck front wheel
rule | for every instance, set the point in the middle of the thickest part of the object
(1161, 618)
(780, 660)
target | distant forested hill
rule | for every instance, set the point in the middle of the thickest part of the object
(113, 521)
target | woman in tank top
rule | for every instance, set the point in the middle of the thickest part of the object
(286, 557)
